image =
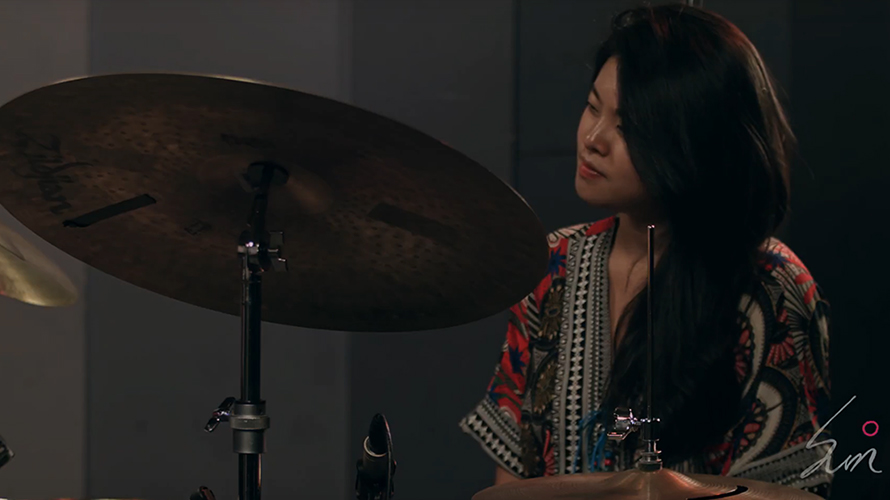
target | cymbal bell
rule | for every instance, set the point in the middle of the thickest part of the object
(27, 275)
(664, 484)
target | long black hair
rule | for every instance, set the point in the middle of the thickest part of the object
(711, 143)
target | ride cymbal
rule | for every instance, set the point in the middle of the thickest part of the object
(385, 229)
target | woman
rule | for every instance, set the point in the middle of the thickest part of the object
(682, 129)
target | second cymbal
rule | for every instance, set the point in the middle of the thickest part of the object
(637, 485)
(27, 275)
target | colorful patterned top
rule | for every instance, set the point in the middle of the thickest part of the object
(552, 373)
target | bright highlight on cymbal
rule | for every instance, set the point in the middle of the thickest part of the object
(29, 276)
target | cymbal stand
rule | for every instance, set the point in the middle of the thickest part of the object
(6, 454)
(260, 251)
(624, 421)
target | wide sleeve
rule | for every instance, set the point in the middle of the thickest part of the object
(783, 363)
(494, 422)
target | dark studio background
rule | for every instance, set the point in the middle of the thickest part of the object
(108, 398)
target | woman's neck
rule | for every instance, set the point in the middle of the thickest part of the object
(632, 237)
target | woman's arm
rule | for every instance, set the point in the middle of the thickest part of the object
(494, 422)
(785, 354)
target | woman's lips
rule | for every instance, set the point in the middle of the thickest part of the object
(587, 171)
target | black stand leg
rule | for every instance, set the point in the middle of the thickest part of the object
(260, 251)
(249, 441)
(249, 477)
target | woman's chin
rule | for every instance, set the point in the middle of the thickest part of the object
(590, 196)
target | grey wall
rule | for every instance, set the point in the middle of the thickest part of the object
(157, 367)
(446, 68)
(841, 113)
(42, 371)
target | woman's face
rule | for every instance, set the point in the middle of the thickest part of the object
(605, 176)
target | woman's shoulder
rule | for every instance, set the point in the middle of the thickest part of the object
(787, 274)
(559, 241)
(786, 327)
(778, 256)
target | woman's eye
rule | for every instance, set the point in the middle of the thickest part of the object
(592, 107)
